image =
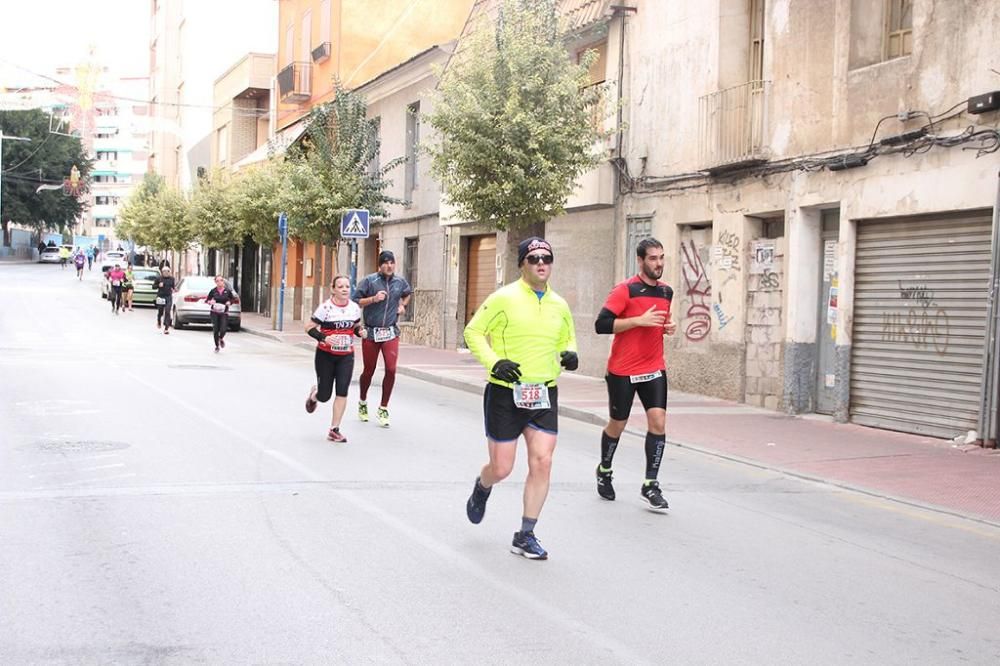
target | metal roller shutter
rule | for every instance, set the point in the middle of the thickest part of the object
(920, 303)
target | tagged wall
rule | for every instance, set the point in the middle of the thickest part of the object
(765, 323)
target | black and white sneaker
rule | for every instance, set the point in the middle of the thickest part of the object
(526, 545)
(604, 487)
(653, 497)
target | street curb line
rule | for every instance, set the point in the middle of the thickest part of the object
(585, 416)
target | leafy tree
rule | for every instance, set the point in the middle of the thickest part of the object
(330, 172)
(157, 216)
(47, 159)
(257, 200)
(212, 213)
(515, 117)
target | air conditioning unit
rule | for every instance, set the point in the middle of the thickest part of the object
(321, 52)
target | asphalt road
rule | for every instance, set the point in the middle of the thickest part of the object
(161, 504)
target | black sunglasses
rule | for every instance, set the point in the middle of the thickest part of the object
(539, 258)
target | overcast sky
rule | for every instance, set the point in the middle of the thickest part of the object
(41, 35)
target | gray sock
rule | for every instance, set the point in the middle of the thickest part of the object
(528, 524)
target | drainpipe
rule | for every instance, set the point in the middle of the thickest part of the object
(989, 413)
(623, 12)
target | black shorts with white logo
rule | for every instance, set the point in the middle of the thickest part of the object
(621, 391)
(504, 421)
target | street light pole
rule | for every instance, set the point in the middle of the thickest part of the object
(9, 138)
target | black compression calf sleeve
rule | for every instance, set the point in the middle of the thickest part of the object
(608, 447)
(654, 454)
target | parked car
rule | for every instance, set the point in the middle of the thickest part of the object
(49, 255)
(143, 291)
(144, 285)
(112, 257)
(190, 306)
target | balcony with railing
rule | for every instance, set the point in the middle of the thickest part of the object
(295, 83)
(731, 126)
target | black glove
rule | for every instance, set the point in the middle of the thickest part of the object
(569, 360)
(506, 370)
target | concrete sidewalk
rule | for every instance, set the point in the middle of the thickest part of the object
(931, 473)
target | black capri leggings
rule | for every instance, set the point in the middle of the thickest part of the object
(220, 323)
(333, 369)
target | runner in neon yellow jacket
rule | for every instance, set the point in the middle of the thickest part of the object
(530, 339)
(524, 328)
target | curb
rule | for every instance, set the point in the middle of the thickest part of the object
(586, 416)
(308, 346)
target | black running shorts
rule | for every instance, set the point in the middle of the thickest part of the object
(621, 391)
(332, 371)
(505, 422)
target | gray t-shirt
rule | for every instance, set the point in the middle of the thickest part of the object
(382, 314)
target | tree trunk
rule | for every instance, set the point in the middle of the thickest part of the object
(6, 233)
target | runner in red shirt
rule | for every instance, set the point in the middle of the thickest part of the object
(637, 312)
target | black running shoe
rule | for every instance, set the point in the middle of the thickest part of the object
(653, 497)
(475, 508)
(604, 487)
(526, 545)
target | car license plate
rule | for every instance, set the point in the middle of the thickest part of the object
(218, 307)
(531, 396)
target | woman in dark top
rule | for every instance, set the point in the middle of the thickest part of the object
(218, 300)
(164, 299)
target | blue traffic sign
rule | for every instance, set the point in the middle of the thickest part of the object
(354, 224)
(282, 225)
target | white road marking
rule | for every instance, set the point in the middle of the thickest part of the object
(100, 479)
(614, 649)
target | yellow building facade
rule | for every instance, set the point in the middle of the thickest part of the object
(320, 41)
(353, 41)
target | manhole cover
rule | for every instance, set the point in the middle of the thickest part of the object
(76, 446)
(194, 366)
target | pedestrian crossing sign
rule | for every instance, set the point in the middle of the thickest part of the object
(354, 224)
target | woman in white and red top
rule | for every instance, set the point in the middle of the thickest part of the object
(218, 300)
(334, 325)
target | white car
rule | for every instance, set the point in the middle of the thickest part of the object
(49, 255)
(112, 257)
(190, 306)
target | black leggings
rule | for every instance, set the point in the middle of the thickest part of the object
(116, 297)
(163, 312)
(220, 322)
(333, 369)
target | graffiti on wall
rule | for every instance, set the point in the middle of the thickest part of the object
(769, 281)
(726, 255)
(698, 289)
(924, 325)
(720, 314)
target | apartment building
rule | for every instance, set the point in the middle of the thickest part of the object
(320, 41)
(827, 215)
(241, 127)
(190, 44)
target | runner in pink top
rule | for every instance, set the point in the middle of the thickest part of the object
(116, 276)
